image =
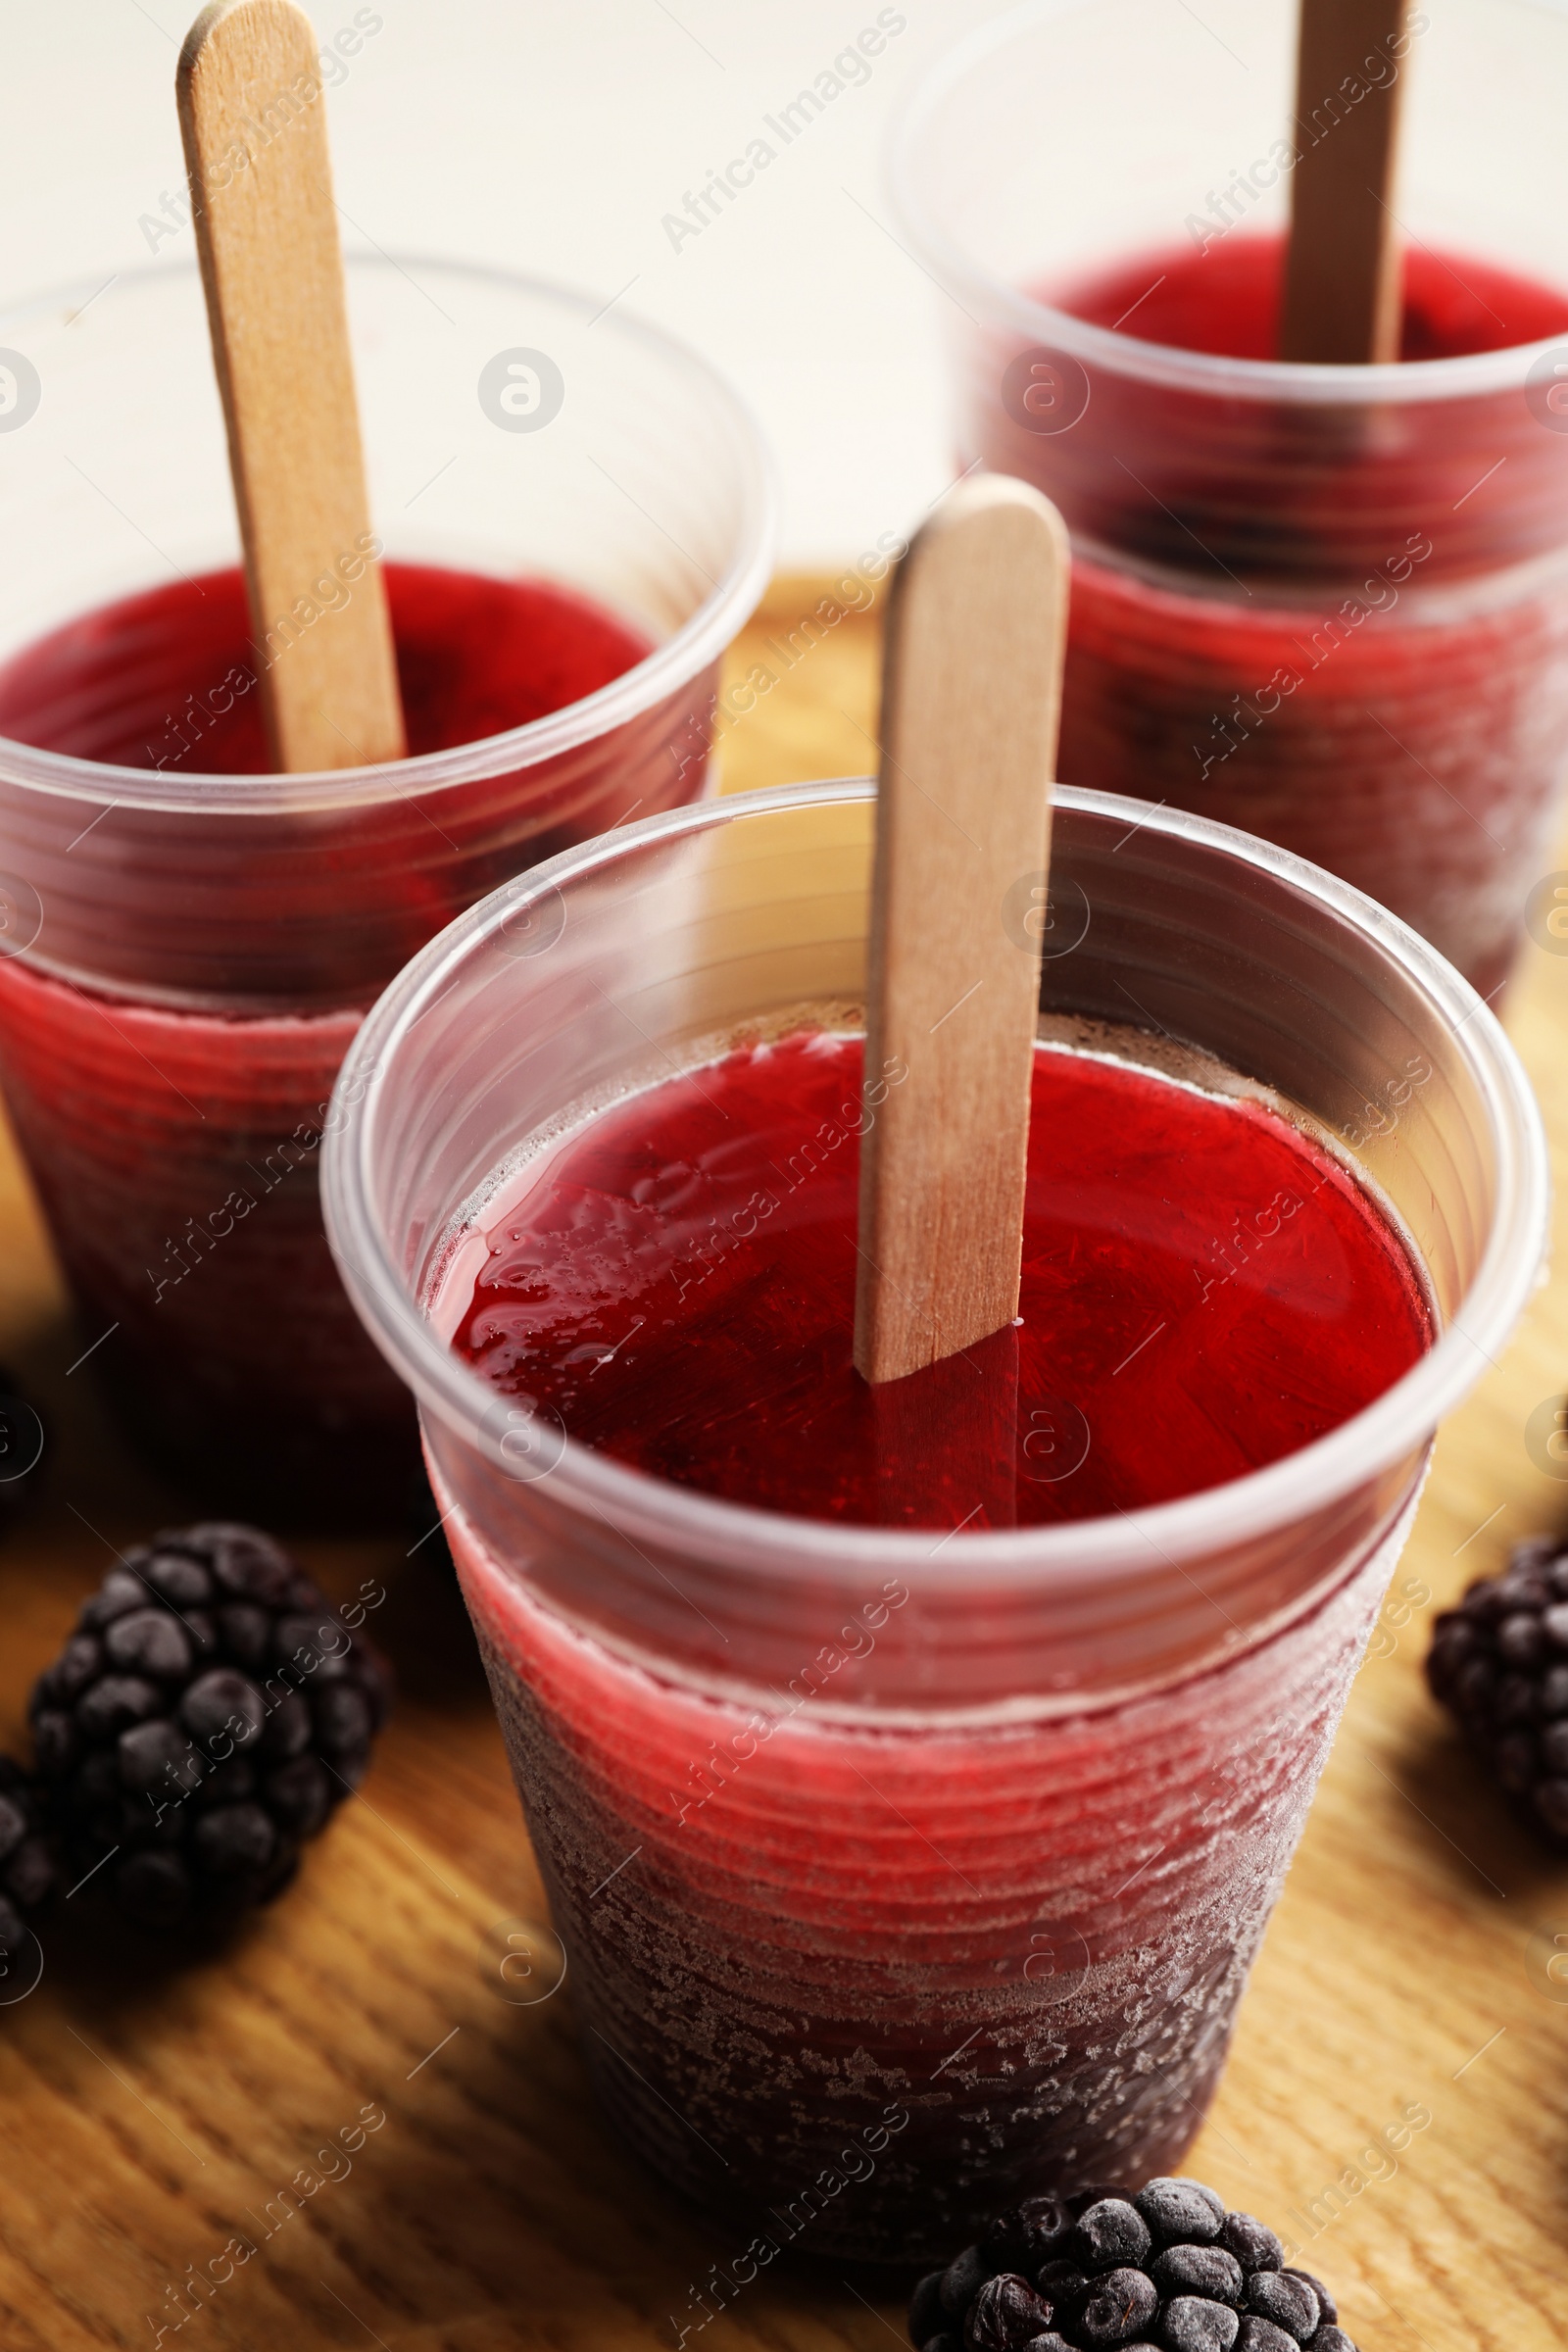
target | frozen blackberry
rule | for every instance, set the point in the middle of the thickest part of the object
(1006, 2311)
(1197, 2323)
(204, 1719)
(1162, 2269)
(1027, 2234)
(1287, 2301)
(1326, 2309)
(1120, 2306)
(27, 1862)
(1110, 2235)
(1500, 1664)
(1181, 2213)
(1199, 2269)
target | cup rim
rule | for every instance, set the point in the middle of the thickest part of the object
(758, 1541)
(673, 664)
(1310, 383)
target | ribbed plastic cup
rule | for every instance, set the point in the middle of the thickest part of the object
(185, 956)
(1328, 603)
(902, 1874)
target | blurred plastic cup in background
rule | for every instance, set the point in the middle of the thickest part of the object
(1326, 604)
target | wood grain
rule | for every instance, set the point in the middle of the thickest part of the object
(972, 697)
(253, 115)
(148, 2118)
(1343, 275)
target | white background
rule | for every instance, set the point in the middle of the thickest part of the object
(552, 136)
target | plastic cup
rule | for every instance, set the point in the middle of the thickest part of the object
(1328, 603)
(184, 956)
(862, 1947)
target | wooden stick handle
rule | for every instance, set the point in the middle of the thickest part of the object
(252, 114)
(1343, 274)
(972, 697)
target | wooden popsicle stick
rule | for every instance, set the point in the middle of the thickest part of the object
(1344, 264)
(253, 116)
(971, 695)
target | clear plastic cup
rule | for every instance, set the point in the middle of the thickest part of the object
(1328, 603)
(965, 1913)
(185, 956)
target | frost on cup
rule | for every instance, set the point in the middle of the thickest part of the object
(189, 943)
(963, 1841)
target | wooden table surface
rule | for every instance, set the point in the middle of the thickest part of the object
(148, 2118)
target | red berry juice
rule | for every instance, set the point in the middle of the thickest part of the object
(1203, 1291)
(859, 1982)
(1343, 627)
(167, 679)
(175, 1148)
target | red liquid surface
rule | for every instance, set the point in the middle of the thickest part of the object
(167, 678)
(1227, 300)
(1203, 1291)
(176, 1151)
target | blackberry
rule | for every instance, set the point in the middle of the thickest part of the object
(1006, 2311)
(202, 1721)
(1162, 2269)
(1500, 1664)
(27, 1863)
